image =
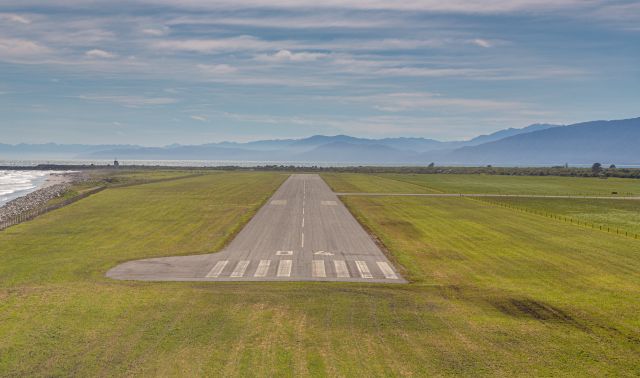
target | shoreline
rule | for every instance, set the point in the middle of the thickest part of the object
(55, 185)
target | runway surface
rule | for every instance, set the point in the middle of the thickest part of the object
(303, 233)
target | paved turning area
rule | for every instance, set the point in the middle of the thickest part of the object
(303, 233)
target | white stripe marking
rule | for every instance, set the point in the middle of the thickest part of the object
(302, 222)
(263, 268)
(387, 271)
(302, 241)
(318, 268)
(284, 268)
(341, 269)
(217, 269)
(364, 269)
(240, 268)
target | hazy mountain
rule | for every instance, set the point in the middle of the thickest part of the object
(343, 152)
(501, 134)
(583, 143)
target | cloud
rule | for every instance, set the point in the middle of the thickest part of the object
(217, 69)
(130, 101)
(156, 32)
(20, 48)
(405, 101)
(288, 56)
(15, 18)
(99, 54)
(482, 43)
(449, 6)
(240, 43)
(199, 118)
(297, 21)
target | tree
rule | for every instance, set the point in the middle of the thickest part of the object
(432, 165)
(596, 168)
(612, 166)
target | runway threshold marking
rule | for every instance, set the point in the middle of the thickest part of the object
(263, 268)
(387, 270)
(364, 269)
(284, 268)
(217, 269)
(341, 269)
(241, 267)
(318, 269)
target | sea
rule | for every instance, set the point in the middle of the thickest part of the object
(14, 184)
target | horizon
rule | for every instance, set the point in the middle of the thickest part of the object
(158, 72)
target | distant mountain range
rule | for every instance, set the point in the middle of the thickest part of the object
(540, 144)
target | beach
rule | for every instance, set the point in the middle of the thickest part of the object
(35, 191)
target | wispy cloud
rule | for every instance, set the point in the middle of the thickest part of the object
(15, 18)
(129, 101)
(99, 54)
(12, 48)
(198, 118)
(403, 101)
(288, 56)
(217, 69)
(482, 43)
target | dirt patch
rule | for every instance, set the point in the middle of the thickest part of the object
(529, 308)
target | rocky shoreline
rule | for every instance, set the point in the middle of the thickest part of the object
(55, 186)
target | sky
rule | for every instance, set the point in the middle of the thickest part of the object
(157, 72)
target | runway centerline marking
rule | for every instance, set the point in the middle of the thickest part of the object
(341, 269)
(302, 240)
(263, 268)
(217, 269)
(241, 267)
(364, 269)
(318, 269)
(387, 270)
(284, 268)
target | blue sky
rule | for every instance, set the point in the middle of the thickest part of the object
(155, 72)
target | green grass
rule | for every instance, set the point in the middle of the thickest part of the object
(488, 184)
(614, 214)
(495, 292)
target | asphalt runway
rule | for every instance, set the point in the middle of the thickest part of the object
(303, 233)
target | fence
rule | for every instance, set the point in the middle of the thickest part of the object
(28, 215)
(570, 220)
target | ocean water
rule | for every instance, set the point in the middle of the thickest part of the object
(14, 184)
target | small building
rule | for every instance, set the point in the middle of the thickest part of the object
(116, 163)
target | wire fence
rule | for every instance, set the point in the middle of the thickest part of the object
(577, 222)
(31, 214)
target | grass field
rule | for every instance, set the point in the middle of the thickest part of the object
(615, 214)
(487, 184)
(495, 292)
